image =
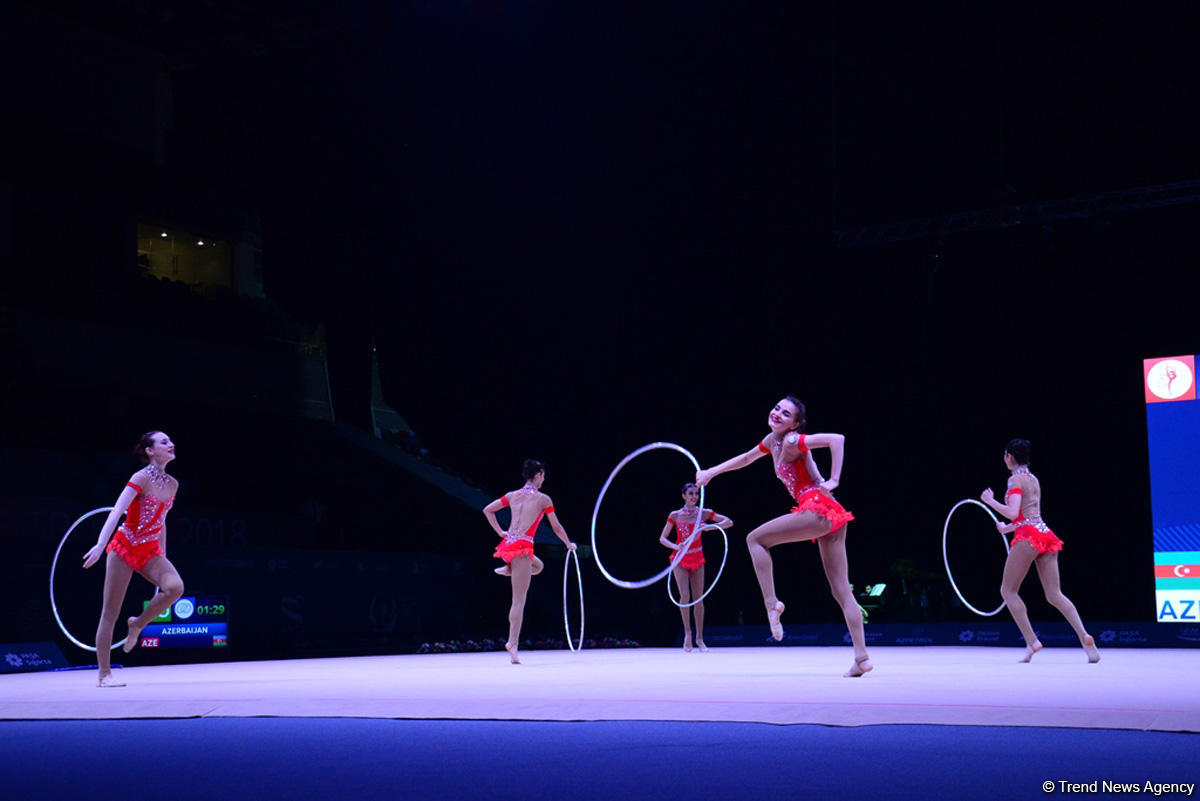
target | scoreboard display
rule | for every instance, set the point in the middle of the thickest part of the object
(194, 621)
(1173, 432)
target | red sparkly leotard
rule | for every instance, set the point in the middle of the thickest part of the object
(514, 544)
(1032, 529)
(804, 489)
(140, 543)
(694, 557)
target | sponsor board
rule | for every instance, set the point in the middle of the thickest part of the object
(1054, 634)
(25, 657)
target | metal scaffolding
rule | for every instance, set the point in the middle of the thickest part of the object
(1036, 213)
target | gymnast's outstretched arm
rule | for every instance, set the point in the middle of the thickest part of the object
(736, 463)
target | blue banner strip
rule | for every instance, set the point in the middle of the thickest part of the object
(1123, 634)
(1176, 557)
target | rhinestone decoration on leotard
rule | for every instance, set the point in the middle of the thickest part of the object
(1035, 522)
(685, 521)
(792, 479)
(158, 478)
(511, 536)
(152, 514)
(790, 473)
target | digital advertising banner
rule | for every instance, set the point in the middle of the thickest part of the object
(1173, 433)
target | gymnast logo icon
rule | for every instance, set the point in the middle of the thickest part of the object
(1170, 379)
(184, 608)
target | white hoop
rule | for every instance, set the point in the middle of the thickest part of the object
(637, 585)
(579, 580)
(946, 558)
(54, 564)
(720, 570)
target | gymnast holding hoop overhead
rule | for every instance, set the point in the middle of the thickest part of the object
(139, 545)
(816, 516)
(689, 569)
(1033, 543)
(528, 504)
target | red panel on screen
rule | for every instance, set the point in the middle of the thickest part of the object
(1169, 378)
(1177, 571)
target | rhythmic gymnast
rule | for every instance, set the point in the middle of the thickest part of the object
(1033, 543)
(528, 504)
(816, 516)
(139, 545)
(689, 570)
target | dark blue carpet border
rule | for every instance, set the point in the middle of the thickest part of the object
(368, 758)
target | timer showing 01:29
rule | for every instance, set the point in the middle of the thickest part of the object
(211, 610)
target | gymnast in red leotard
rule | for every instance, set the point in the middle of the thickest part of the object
(816, 516)
(1033, 543)
(139, 545)
(527, 504)
(689, 569)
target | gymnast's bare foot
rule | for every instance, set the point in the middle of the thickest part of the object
(687, 642)
(107, 680)
(504, 570)
(701, 646)
(1089, 647)
(512, 652)
(1033, 649)
(862, 665)
(135, 634)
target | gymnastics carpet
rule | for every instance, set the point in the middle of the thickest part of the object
(929, 722)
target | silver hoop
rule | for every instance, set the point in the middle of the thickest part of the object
(725, 537)
(637, 585)
(946, 558)
(579, 580)
(54, 564)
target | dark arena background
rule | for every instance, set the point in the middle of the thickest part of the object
(361, 259)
